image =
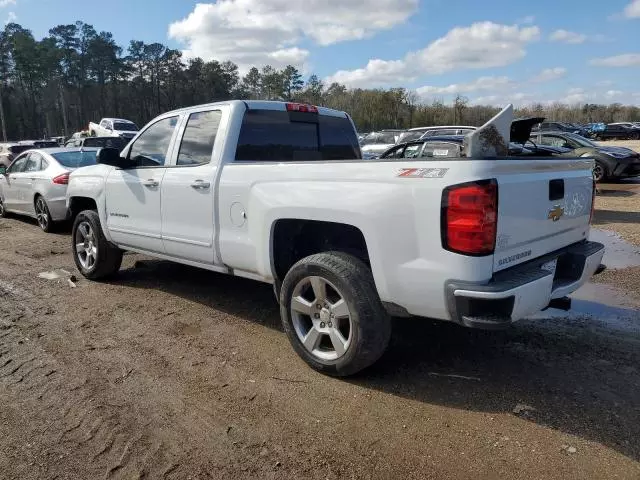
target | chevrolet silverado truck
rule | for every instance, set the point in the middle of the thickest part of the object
(113, 127)
(279, 193)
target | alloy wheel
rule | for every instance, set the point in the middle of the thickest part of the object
(42, 214)
(86, 246)
(321, 318)
(598, 172)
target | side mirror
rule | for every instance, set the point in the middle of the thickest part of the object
(111, 156)
(3, 169)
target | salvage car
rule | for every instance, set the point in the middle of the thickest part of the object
(35, 183)
(113, 127)
(611, 162)
(377, 142)
(615, 131)
(279, 193)
(420, 132)
(9, 151)
(98, 142)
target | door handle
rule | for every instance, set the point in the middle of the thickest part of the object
(200, 184)
(151, 183)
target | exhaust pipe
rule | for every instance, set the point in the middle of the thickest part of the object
(563, 303)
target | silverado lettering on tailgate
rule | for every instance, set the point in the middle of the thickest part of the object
(513, 258)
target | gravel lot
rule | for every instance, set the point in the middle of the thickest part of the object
(172, 372)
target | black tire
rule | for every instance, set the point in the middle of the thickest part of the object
(43, 216)
(3, 212)
(600, 173)
(107, 258)
(370, 323)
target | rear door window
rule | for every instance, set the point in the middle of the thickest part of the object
(33, 162)
(279, 136)
(199, 136)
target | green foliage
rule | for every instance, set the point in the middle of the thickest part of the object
(75, 75)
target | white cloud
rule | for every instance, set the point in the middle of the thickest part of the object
(632, 10)
(549, 74)
(613, 93)
(624, 60)
(11, 18)
(254, 32)
(481, 45)
(6, 3)
(528, 20)
(480, 84)
(517, 99)
(566, 36)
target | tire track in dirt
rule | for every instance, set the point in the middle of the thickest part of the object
(88, 426)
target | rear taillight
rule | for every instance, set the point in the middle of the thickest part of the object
(593, 201)
(301, 107)
(470, 218)
(61, 179)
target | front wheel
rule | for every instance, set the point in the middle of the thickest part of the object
(599, 172)
(94, 256)
(332, 314)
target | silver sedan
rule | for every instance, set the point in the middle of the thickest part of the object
(35, 183)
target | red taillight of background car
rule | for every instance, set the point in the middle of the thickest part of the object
(61, 179)
(470, 218)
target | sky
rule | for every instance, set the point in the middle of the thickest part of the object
(493, 52)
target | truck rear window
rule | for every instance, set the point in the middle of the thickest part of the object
(277, 136)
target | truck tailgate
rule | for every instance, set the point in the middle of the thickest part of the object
(543, 206)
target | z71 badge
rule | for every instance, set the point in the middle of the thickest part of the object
(422, 172)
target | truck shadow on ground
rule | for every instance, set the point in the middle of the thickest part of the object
(568, 378)
(603, 217)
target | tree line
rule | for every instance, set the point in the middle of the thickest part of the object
(56, 85)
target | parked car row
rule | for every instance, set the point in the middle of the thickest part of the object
(598, 131)
(611, 163)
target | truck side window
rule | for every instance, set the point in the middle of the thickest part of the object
(198, 139)
(152, 146)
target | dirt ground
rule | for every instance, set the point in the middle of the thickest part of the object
(618, 209)
(172, 372)
(632, 144)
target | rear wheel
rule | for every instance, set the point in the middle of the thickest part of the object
(332, 314)
(43, 216)
(94, 256)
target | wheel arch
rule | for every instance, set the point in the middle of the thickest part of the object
(77, 204)
(292, 239)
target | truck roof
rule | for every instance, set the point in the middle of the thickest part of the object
(261, 105)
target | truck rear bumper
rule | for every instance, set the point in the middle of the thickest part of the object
(525, 289)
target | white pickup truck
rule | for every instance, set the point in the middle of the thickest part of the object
(113, 127)
(278, 192)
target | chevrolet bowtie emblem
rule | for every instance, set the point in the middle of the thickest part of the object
(555, 213)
